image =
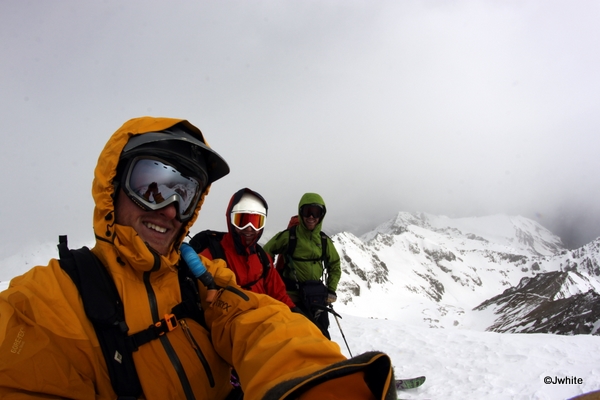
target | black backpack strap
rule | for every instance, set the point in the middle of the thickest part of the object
(211, 240)
(324, 238)
(293, 240)
(190, 306)
(264, 260)
(103, 307)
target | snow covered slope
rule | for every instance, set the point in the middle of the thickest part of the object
(420, 271)
(433, 271)
(465, 364)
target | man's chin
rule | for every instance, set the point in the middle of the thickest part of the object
(158, 248)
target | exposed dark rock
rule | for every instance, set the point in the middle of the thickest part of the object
(542, 305)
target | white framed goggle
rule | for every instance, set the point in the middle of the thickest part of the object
(242, 220)
(153, 183)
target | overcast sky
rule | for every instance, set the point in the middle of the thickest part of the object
(457, 108)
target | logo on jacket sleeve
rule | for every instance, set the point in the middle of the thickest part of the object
(18, 343)
(223, 305)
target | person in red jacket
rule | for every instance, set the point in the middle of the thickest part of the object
(253, 268)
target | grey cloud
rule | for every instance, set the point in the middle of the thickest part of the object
(460, 109)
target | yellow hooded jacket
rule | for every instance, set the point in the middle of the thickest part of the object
(48, 347)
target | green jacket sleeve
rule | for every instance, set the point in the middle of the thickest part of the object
(334, 269)
(277, 244)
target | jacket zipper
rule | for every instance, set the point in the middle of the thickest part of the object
(175, 361)
(198, 350)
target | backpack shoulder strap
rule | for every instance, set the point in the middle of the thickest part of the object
(264, 259)
(103, 307)
(266, 264)
(293, 240)
(212, 240)
(324, 238)
(190, 306)
(209, 239)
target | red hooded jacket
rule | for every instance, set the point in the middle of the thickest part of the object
(245, 262)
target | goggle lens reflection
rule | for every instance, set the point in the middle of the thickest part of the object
(154, 184)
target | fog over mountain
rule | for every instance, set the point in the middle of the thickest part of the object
(463, 108)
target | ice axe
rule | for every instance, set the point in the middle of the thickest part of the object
(336, 315)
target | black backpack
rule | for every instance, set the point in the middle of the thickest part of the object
(211, 240)
(104, 309)
(284, 260)
(294, 240)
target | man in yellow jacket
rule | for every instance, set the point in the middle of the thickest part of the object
(149, 185)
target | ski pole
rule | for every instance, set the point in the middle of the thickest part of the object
(341, 331)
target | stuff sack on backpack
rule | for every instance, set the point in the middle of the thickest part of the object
(280, 260)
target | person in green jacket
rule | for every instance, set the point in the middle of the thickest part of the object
(312, 269)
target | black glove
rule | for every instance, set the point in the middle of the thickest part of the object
(297, 310)
(331, 296)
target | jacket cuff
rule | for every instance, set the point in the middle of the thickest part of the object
(375, 366)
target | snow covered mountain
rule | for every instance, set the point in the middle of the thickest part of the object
(564, 301)
(419, 271)
(500, 273)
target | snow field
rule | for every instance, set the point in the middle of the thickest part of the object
(461, 364)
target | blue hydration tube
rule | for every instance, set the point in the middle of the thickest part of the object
(198, 269)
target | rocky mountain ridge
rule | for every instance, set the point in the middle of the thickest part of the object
(500, 273)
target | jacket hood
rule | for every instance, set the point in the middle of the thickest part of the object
(239, 246)
(124, 239)
(312, 198)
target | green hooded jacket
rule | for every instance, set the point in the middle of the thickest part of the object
(308, 246)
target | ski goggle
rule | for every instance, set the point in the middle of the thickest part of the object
(314, 210)
(153, 184)
(243, 220)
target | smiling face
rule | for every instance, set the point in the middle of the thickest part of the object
(248, 235)
(310, 222)
(158, 228)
